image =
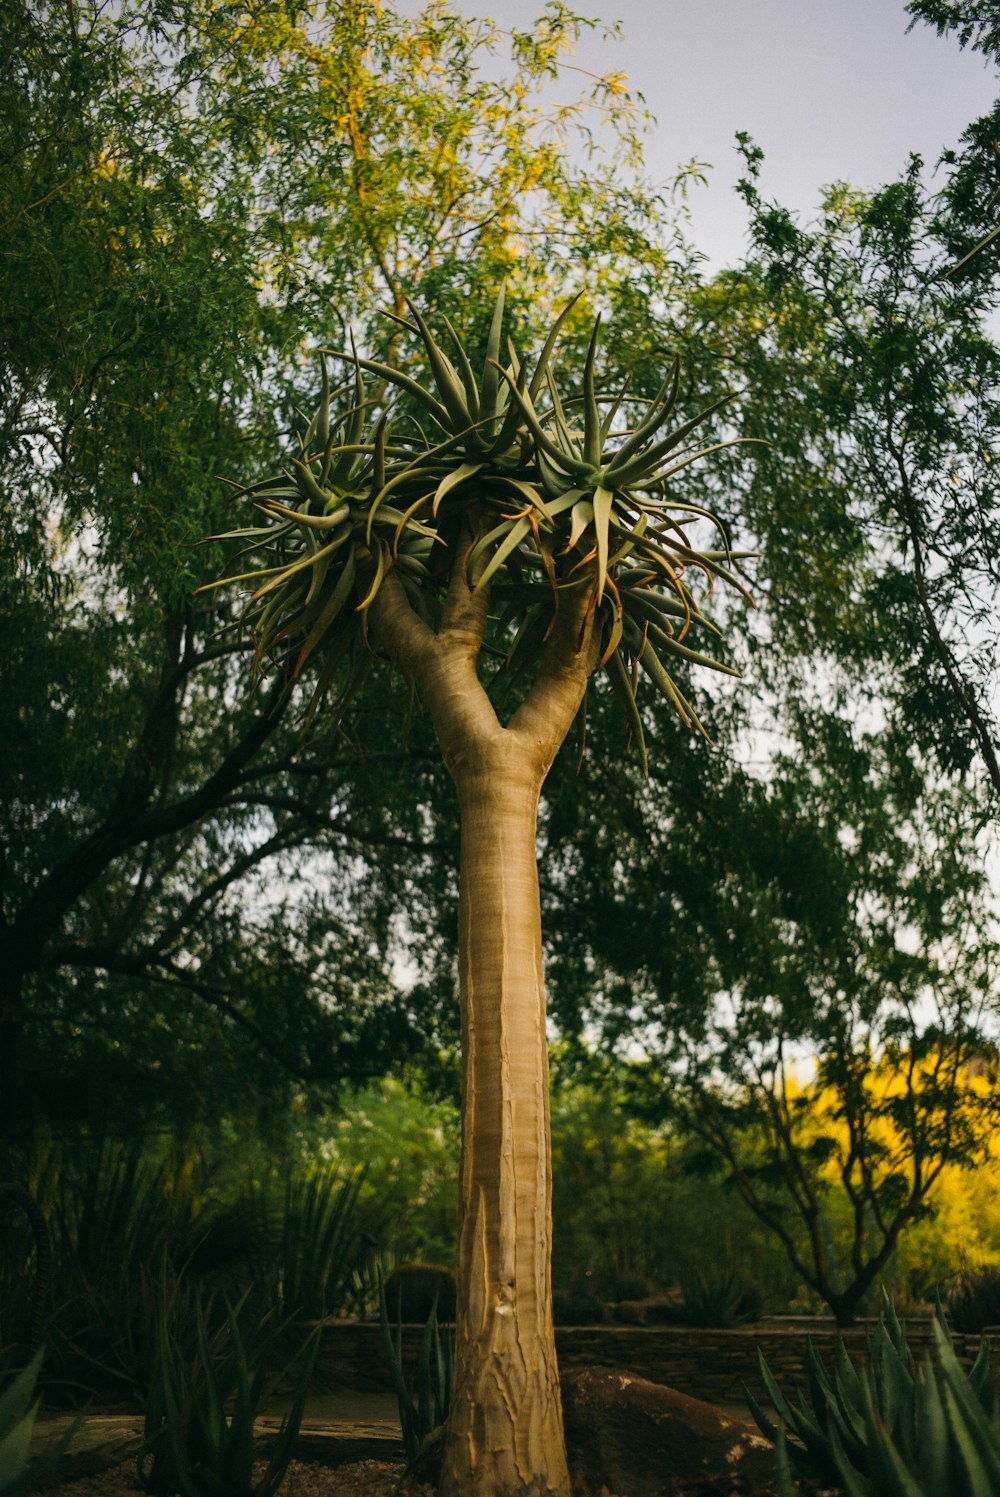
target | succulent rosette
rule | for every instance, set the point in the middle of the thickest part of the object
(560, 499)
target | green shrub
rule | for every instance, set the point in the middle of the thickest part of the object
(409, 1143)
(625, 1206)
(974, 1302)
(720, 1300)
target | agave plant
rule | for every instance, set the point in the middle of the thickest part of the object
(502, 541)
(19, 1473)
(721, 1299)
(201, 1408)
(892, 1429)
(422, 1402)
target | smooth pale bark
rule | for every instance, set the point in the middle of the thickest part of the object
(505, 1430)
(504, 1435)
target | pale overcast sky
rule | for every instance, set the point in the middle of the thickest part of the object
(830, 89)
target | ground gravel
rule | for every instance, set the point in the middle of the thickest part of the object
(359, 1479)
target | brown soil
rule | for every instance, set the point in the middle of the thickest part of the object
(382, 1478)
(360, 1479)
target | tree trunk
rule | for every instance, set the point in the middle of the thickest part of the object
(504, 1436)
(505, 1429)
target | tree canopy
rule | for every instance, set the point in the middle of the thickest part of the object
(195, 199)
(188, 192)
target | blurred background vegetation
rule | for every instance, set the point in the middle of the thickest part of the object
(227, 1022)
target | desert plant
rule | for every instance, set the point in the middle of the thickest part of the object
(302, 1241)
(320, 1240)
(115, 1205)
(500, 544)
(18, 1407)
(414, 1290)
(423, 1402)
(891, 1429)
(974, 1302)
(200, 1413)
(115, 1215)
(23, 1321)
(720, 1299)
(784, 1482)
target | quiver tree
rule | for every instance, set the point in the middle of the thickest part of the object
(500, 544)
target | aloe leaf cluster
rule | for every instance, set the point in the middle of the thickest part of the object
(201, 1409)
(19, 1474)
(892, 1429)
(423, 1402)
(567, 494)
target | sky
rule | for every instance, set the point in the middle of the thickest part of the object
(832, 90)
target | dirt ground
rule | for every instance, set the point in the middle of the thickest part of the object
(334, 1420)
(360, 1479)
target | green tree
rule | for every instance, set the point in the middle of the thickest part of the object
(498, 563)
(186, 188)
(977, 22)
(880, 502)
(835, 920)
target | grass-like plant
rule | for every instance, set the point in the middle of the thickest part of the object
(202, 1405)
(312, 1241)
(424, 1400)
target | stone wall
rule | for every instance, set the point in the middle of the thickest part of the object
(712, 1365)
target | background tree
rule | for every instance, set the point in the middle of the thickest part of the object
(835, 921)
(185, 190)
(881, 500)
(976, 22)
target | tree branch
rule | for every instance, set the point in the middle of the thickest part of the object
(568, 661)
(165, 972)
(959, 687)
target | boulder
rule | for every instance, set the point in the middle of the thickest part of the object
(631, 1437)
(626, 1437)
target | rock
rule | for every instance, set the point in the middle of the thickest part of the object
(655, 1309)
(632, 1437)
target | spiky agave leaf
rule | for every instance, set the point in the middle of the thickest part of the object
(558, 507)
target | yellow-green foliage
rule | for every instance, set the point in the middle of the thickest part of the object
(961, 1230)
